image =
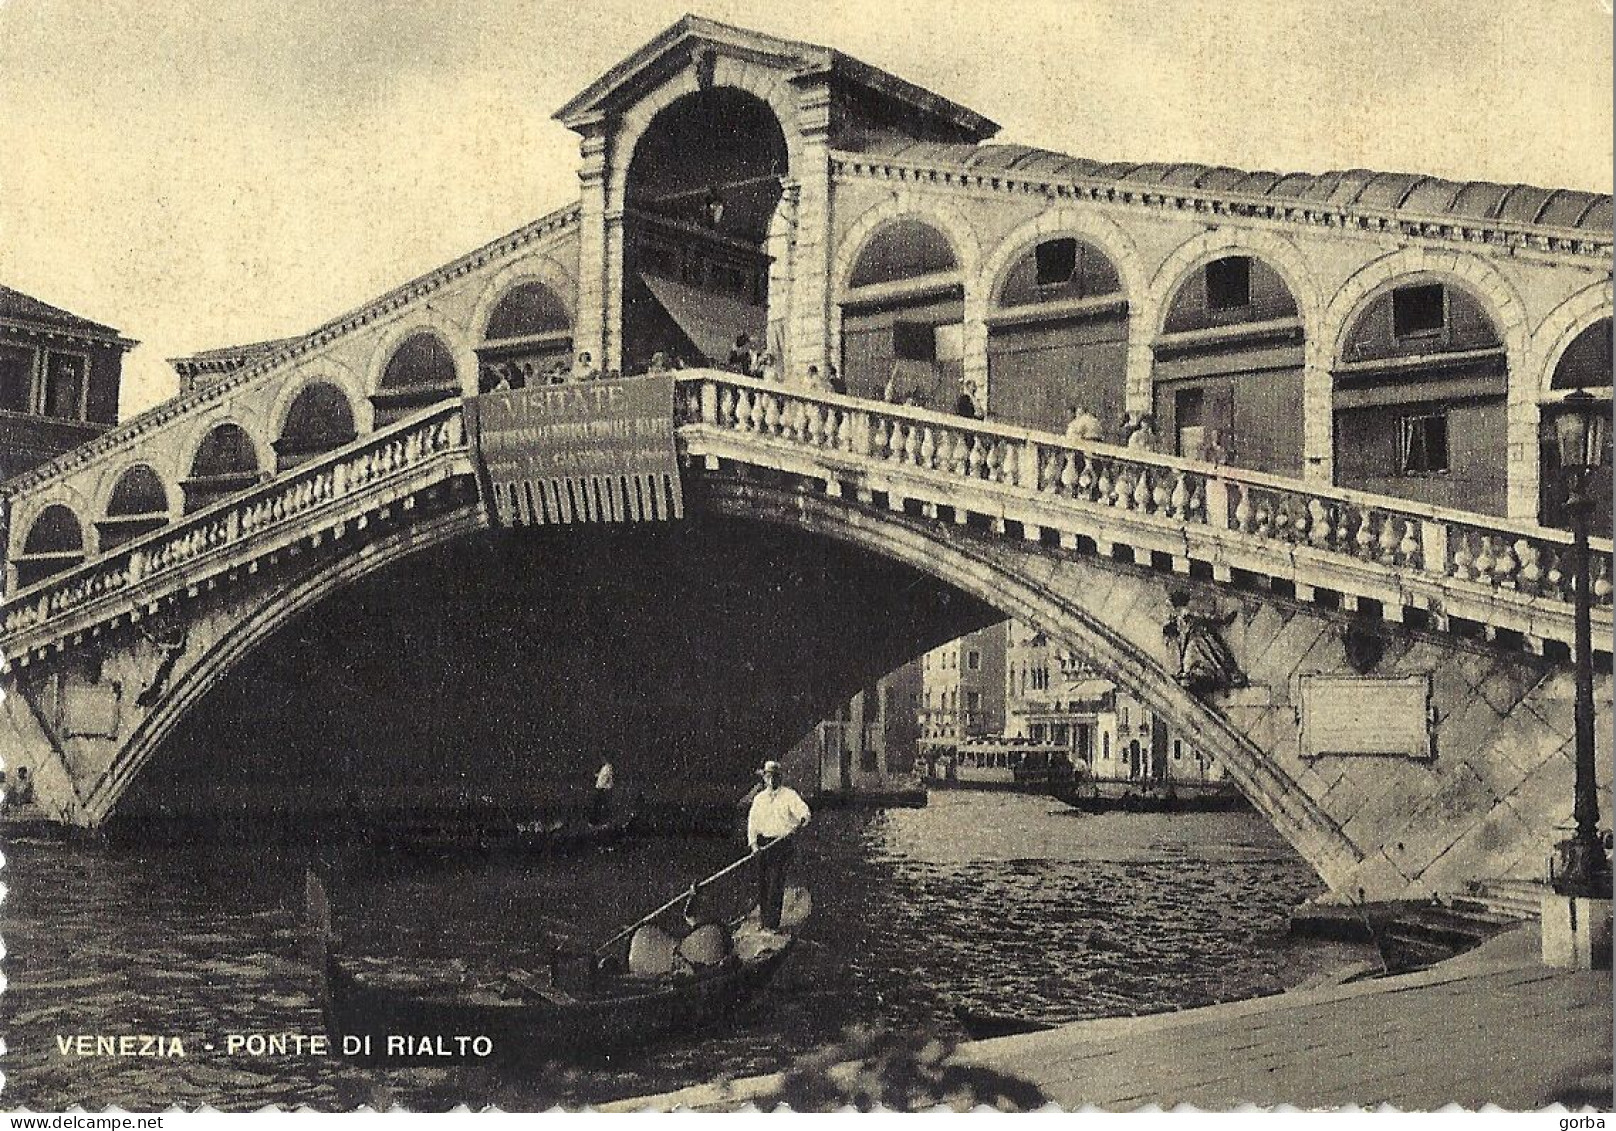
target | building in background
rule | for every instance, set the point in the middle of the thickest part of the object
(59, 381)
(869, 747)
(962, 690)
(1055, 696)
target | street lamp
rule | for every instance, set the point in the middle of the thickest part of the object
(1579, 432)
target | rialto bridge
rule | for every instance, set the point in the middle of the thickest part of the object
(1402, 628)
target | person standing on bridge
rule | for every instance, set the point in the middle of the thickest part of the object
(1084, 427)
(777, 812)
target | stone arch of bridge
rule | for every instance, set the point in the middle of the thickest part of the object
(540, 269)
(251, 425)
(1502, 304)
(952, 225)
(260, 622)
(926, 548)
(768, 86)
(1287, 260)
(1563, 325)
(326, 372)
(931, 549)
(452, 334)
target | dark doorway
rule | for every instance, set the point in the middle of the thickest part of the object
(701, 194)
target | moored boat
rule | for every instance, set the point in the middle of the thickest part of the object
(1091, 795)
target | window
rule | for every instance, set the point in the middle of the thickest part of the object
(1425, 444)
(1057, 262)
(1124, 718)
(1418, 311)
(64, 385)
(973, 700)
(16, 378)
(1178, 749)
(973, 661)
(914, 341)
(1228, 283)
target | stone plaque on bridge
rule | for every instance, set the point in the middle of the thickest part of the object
(1366, 716)
(598, 451)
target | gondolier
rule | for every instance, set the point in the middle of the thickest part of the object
(777, 812)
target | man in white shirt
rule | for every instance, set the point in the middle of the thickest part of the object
(777, 812)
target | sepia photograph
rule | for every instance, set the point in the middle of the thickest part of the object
(904, 555)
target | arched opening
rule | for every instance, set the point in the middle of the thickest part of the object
(225, 463)
(903, 315)
(1586, 365)
(138, 505)
(1419, 391)
(528, 340)
(1228, 367)
(420, 372)
(55, 542)
(700, 196)
(319, 420)
(1058, 336)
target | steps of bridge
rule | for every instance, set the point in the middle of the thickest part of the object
(1518, 899)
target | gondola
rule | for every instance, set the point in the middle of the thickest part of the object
(577, 1009)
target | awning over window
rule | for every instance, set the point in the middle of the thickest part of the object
(710, 319)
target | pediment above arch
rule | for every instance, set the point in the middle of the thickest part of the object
(858, 90)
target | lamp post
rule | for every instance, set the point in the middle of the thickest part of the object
(1580, 428)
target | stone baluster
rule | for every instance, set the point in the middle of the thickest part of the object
(1555, 574)
(911, 444)
(995, 460)
(928, 448)
(1364, 540)
(1531, 566)
(1504, 566)
(959, 455)
(975, 461)
(1088, 479)
(757, 412)
(1601, 580)
(1009, 462)
(1319, 529)
(1049, 474)
(845, 433)
(1388, 540)
(1408, 550)
(771, 413)
(1067, 480)
(726, 407)
(1142, 494)
(1244, 512)
(816, 424)
(1483, 563)
(1103, 486)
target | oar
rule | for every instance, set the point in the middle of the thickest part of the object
(686, 894)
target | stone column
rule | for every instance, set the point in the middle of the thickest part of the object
(588, 331)
(612, 317)
(811, 285)
(782, 269)
(1318, 416)
(1522, 416)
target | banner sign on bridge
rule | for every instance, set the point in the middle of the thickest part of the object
(600, 451)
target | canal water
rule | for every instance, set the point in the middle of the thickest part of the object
(1001, 903)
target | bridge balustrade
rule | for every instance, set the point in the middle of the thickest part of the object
(1442, 564)
(1497, 573)
(230, 533)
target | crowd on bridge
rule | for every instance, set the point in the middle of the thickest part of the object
(1132, 430)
